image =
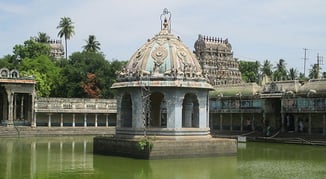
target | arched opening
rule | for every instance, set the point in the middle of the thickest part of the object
(14, 74)
(4, 73)
(190, 111)
(158, 110)
(126, 111)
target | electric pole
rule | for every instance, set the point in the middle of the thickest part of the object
(305, 59)
(319, 62)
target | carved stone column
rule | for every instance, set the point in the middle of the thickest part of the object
(95, 120)
(61, 120)
(221, 121)
(10, 96)
(85, 120)
(107, 120)
(31, 110)
(73, 120)
(49, 120)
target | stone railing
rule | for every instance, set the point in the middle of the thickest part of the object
(75, 105)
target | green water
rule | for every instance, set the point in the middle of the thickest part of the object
(72, 157)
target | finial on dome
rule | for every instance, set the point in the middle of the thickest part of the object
(166, 23)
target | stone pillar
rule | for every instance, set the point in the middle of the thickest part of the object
(95, 120)
(282, 123)
(34, 120)
(309, 124)
(231, 121)
(137, 111)
(21, 115)
(324, 124)
(241, 122)
(85, 120)
(73, 120)
(221, 121)
(14, 106)
(174, 111)
(30, 107)
(296, 123)
(107, 120)
(253, 122)
(49, 120)
(10, 95)
(61, 120)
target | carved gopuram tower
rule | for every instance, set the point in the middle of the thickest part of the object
(216, 59)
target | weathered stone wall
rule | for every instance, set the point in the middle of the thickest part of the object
(162, 149)
(75, 105)
(75, 112)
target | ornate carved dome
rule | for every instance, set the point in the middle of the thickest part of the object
(162, 58)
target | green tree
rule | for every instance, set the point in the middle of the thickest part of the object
(280, 72)
(42, 86)
(302, 77)
(249, 71)
(9, 61)
(324, 74)
(66, 30)
(75, 70)
(42, 37)
(314, 71)
(31, 49)
(266, 68)
(45, 71)
(92, 45)
(293, 74)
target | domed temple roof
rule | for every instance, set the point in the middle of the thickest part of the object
(162, 61)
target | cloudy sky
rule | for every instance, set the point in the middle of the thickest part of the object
(257, 29)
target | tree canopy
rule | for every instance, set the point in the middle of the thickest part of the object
(249, 71)
(31, 49)
(85, 71)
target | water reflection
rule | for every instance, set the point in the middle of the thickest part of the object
(72, 157)
(206, 168)
(44, 157)
(263, 160)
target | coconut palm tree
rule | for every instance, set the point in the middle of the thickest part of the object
(293, 74)
(92, 45)
(266, 69)
(280, 72)
(66, 30)
(314, 71)
(42, 37)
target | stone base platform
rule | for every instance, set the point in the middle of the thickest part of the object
(164, 147)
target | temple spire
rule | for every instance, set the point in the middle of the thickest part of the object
(166, 20)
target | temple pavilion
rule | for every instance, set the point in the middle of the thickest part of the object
(162, 104)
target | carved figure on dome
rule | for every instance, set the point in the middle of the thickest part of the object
(159, 55)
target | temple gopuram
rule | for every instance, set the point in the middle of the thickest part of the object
(216, 59)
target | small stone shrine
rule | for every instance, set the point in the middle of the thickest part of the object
(162, 104)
